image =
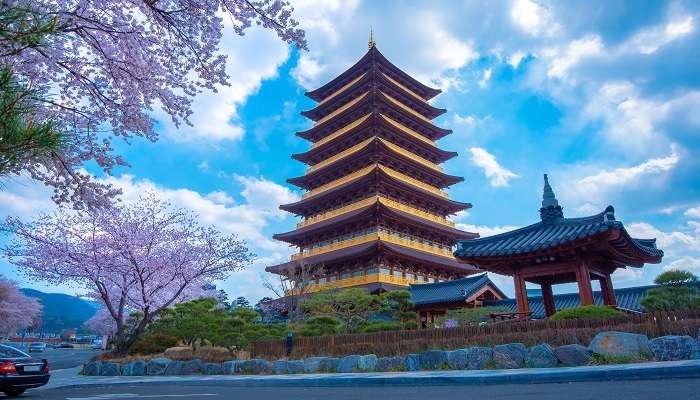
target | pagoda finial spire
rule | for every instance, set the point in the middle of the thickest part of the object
(551, 210)
(371, 43)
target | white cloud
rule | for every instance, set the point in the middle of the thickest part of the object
(215, 115)
(650, 40)
(484, 230)
(595, 189)
(203, 166)
(220, 197)
(533, 18)
(563, 59)
(498, 175)
(686, 263)
(485, 78)
(515, 58)
(307, 71)
(664, 239)
(693, 212)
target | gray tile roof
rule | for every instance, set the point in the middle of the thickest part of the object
(449, 291)
(552, 233)
(629, 298)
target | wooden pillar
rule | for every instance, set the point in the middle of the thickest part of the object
(583, 278)
(606, 288)
(548, 299)
(520, 293)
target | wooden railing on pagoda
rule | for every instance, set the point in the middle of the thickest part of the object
(371, 200)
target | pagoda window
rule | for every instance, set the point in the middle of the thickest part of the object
(373, 271)
(346, 275)
(384, 271)
(321, 280)
(332, 278)
(357, 274)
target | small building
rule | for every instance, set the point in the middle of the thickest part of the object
(561, 250)
(434, 299)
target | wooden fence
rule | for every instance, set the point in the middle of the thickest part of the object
(530, 332)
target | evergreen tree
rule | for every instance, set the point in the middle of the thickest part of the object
(677, 292)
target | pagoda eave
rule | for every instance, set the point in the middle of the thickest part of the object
(370, 102)
(441, 262)
(438, 155)
(369, 154)
(370, 211)
(378, 176)
(362, 66)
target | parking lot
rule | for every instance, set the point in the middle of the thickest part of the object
(62, 358)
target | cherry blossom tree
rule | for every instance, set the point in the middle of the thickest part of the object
(106, 64)
(17, 311)
(136, 259)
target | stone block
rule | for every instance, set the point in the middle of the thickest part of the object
(213, 369)
(479, 357)
(458, 359)
(412, 363)
(573, 355)
(92, 368)
(433, 360)
(510, 355)
(193, 367)
(231, 367)
(673, 348)
(157, 366)
(620, 344)
(541, 356)
(391, 364)
(175, 368)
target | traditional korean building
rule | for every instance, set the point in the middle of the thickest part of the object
(561, 250)
(375, 210)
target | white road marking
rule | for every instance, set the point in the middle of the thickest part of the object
(134, 395)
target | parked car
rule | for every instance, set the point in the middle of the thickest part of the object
(37, 347)
(66, 346)
(20, 371)
(96, 345)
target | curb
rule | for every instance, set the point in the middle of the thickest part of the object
(642, 371)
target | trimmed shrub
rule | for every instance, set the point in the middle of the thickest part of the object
(321, 326)
(378, 326)
(153, 343)
(586, 312)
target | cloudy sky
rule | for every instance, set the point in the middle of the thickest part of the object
(599, 94)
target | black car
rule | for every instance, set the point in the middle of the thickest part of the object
(20, 371)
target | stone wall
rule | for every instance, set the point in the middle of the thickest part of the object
(610, 347)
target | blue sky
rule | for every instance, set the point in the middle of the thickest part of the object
(601, 95)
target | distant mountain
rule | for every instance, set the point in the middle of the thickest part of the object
(62, 311)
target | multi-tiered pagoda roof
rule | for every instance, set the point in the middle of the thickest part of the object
(375, 210)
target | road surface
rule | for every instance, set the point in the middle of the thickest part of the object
(66, 358)
(619, 390)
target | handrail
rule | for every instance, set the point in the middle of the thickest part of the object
(366, 170)
(341, 109)
(407, 90)
(355, 281)
(361, 145)
(338, 156)
(342, 89)
(380, 235)
(408, 130)
(413, 181)
(340, 131)
(407, 108)
(371, 200)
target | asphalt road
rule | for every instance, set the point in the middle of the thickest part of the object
(618, 390)
(66, 358)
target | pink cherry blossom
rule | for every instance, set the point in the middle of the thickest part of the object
(111, 62)
(17, 311)
(136, 259)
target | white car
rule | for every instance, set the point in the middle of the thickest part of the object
(96, 346)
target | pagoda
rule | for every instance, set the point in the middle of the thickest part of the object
(374, 212)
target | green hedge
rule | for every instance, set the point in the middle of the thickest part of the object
(586, 312)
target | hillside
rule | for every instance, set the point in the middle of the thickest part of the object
(62, 311)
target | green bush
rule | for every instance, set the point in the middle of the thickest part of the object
(153, 343)
(410, 325)
(321, 326)
(586, 312)
(378, 326)
(470, 316)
